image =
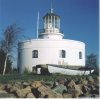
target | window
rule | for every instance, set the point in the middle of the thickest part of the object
(62, 54)
(56, 22)
(49, 19)
(80, 55)
(35, 54)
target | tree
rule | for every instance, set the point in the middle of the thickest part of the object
(15, 71)
(2, 59)
(10, 37)
(91, 62)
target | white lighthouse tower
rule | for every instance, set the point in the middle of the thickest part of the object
(51, 48)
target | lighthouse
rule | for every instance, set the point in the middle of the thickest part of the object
(51, 48)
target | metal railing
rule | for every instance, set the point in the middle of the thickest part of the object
(43, 31)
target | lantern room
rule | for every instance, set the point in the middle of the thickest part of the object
(51, 26)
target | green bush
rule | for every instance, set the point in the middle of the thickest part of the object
(26, 71)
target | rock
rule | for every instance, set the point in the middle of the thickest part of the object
(18, 85)
(85, 89)
(71, 84)
(77, 80)
(97, 89)
(61, 80)
(84, 81)
(70, 90)
(98, 78)
(54, 85)
(90, 80)
(89, 88)
(50, 84)
(60, 89)
(2, 91)
(13, 89)
(36, 84)
(7, 87)
(74, 89)
(6, 95)
(25, 84)
(48, 93)
(2, 86)
(93, 89)
(36, 92)
(87, 95)
(77, 91)
(67, 95)
(21, 93)
(80, 86)
(95, 96)
(70, 87)
(30, 95)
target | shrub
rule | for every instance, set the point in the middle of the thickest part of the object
(26, 71)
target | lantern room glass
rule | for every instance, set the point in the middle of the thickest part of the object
(51, 21)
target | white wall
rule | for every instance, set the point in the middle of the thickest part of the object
(48, 52)
(52, 36)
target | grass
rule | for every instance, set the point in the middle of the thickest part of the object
(25, 77)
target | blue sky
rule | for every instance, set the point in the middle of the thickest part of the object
(79, 18)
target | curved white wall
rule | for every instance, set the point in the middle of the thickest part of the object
(48, 53)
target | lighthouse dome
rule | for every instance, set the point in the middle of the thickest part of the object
(51, 14)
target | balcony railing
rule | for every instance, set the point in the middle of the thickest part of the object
(43, 31)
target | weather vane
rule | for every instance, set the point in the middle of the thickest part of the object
(51, 6)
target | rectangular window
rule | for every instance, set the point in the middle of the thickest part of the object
(35, 54)
(62, 54)
(80, 55)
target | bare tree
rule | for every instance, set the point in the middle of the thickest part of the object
(10, 37)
